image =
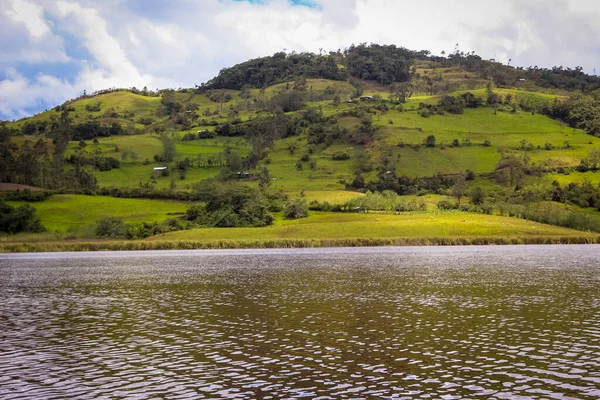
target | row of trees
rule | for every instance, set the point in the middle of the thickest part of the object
(36, 165)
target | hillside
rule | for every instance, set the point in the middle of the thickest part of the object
(446, 126)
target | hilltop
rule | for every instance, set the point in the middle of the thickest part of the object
(483, 137)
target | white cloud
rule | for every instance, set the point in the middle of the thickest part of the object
(18, 94)
(31, 15)
(183, 42)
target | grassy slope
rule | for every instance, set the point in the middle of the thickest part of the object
(504, 131)
(65, 213)
(349, 226)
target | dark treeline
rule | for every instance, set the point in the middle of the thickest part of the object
(19, 219)
(36, 164)
(402, 185)
(385, 64)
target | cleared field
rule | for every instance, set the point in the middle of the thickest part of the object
(504, 131)
(330, 196)
(577, 177)
(65, 212)
(350, 226)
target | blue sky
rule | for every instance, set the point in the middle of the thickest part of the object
(52, 50)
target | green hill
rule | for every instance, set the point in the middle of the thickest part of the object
(319, 130)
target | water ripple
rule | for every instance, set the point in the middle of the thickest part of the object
(519, 322)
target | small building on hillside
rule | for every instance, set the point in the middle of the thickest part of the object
(160, 169)
(366, 98)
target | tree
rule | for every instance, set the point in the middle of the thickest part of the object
(111, 227)
(295, 209)
(336, 100)
(477, 195)
(169, 151)
(430, 141)
(594, 158)
(264, 178)
(459, 188)
(19, 219)
(300, 84)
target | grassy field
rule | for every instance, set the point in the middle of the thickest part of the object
(355, 226)
(328, 229)
(505, 131)
(64, 213)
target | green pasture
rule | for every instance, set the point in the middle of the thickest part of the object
(348, 226)
(64, 212)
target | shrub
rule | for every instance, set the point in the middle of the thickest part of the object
(453, 105)
(111, 227)
(340, 155)
(93, 107)
(19, 219)
(146, 120)
(425, 113)
(295, 209)
(447, 205)
(430, 141)
(487, 143)
(477, 195)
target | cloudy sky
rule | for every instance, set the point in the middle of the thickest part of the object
(52, 50)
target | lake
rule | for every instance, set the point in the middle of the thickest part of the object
(501, 322)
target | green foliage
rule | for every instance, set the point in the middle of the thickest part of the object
(229, 204)
(453, 105)
(447, 205)
(384, 64)
(477, 195)
(280, 67)
(295, 209)
(429, 141)
(111, 227)
(19, 219)
(93, 107)
(169, 104)
(341, 155)
(169, 150)
(384, 201)
(459, 188)
(286, 102)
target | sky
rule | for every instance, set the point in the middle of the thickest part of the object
(53, 50)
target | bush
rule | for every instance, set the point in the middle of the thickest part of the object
(111, 227)
(146, 120)
(447, 205)
(205, 134)
(430, 141)
(425, 113)
(93, 107)
(453, 105)
(296, 209)
(340, 155)
(477, 195)
(487, 143)
(19, 219)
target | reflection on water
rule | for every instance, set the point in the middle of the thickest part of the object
(518, 322)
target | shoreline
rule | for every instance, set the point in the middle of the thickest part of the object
(136, 245)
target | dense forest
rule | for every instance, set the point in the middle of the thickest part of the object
(385, 64)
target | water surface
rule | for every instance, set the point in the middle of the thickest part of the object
(509, 322)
